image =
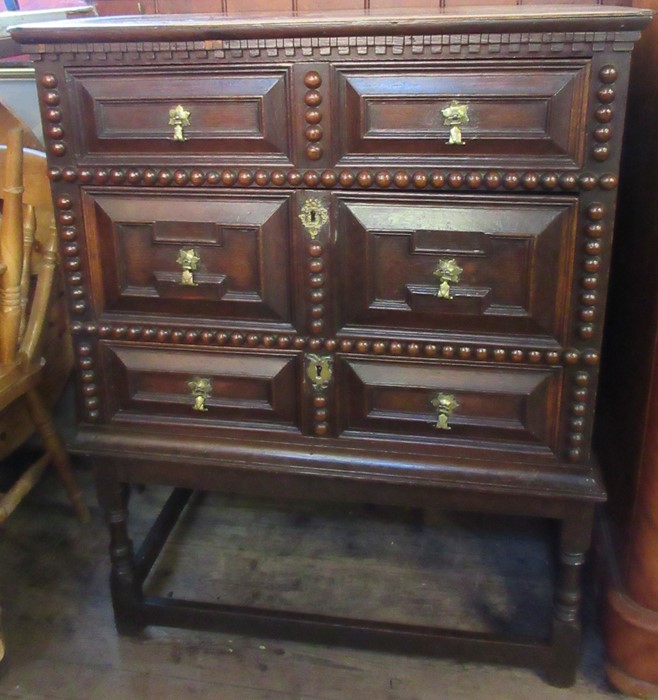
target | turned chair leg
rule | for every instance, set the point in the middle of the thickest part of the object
(44, 425)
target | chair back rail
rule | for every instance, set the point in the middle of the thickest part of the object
(24, 209)
(11, 247)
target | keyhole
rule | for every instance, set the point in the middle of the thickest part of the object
(318, 370)
(313, 216)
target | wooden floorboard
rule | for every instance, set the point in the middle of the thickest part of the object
(358, 561)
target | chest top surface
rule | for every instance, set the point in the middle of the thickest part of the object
(404, 20)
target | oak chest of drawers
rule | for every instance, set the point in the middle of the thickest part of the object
(359, 258)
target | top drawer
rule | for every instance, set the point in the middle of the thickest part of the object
(239, 112)
(505, 113)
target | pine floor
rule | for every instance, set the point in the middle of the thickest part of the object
(368, 562)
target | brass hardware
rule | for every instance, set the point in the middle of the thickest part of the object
(445, 404)
(448, 271)
(455, 116)
(188, 260)
(319, 370)
(201, 388)
(313, 216)
(179, 117)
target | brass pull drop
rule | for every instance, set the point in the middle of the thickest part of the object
(313, 216)
(455, 116)
(448, 272)
(188, 260)
(444, 404)
(201, 388)
(179, 118)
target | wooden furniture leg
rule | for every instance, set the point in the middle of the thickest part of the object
(55, 448)
(575, 536)
(125, 585)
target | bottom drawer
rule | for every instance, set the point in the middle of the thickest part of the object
(515, 408)
(180, 385)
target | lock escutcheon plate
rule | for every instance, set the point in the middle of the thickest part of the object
(313, 216)
(319, 370)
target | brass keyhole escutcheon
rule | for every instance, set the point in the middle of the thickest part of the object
(445, 405)
(201, 388)
(448, 272)
(188, 260)
(455, 116)
(179, 118)
(313, 216)
(319, 370)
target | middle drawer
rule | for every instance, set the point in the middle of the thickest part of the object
(468, 264)
(482, 266)
(192, 254)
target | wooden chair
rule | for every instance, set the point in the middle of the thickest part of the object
(22, 313)
(23, 308)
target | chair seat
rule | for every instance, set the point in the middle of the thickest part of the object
(16, 380)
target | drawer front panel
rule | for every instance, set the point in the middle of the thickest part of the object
(244, 389)
(506, 408)
(237, 112)
(239, 265)
(477, 265)
(517, 113)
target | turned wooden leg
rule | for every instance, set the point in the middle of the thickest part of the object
(575, 536)
(43, 422)
(124, 584)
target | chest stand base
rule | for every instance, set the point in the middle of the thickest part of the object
(558, 656)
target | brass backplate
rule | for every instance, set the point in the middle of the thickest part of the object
(314, 216)
(319, 370)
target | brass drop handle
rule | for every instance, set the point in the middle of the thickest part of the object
(188, 260)
(444, 404)
(201, 388)
(455, 116)
(448, 272)
(179, 118)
